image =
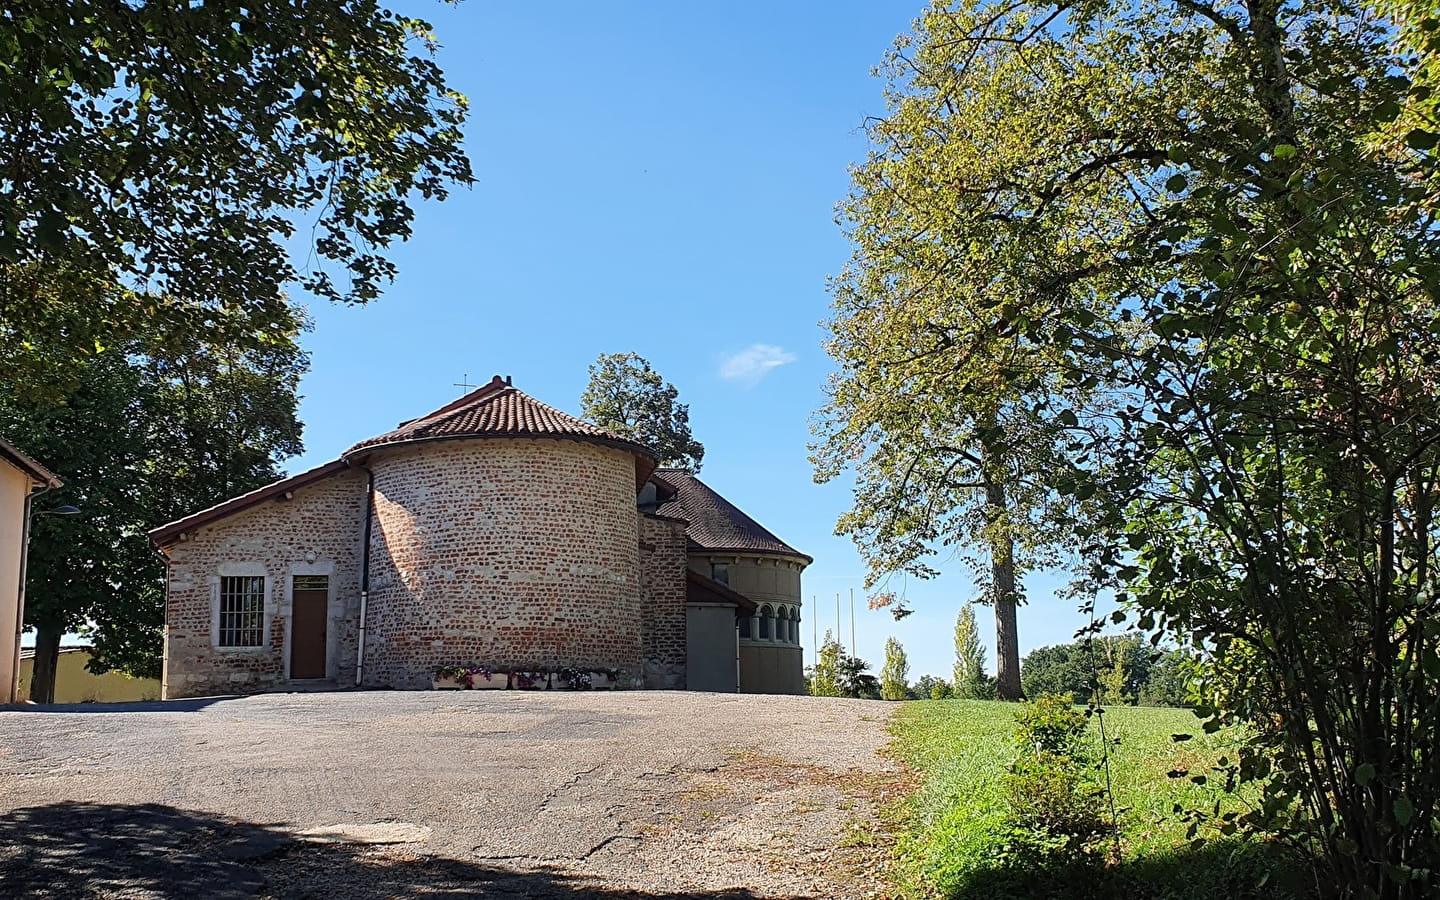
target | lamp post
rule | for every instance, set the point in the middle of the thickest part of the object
(31, 514)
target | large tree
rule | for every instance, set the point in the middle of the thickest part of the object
(1221, 216)
(144, 436)
(626, 396)
(159, 160)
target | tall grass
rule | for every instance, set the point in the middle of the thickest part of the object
(949, 828)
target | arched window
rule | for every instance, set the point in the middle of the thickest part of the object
(746, 629)
(767, 622)
(795, 626)
(786, 625)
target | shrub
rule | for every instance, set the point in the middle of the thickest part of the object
(1055, 807)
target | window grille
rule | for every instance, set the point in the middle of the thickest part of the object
(242, 611)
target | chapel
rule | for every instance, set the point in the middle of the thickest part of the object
(494, 532)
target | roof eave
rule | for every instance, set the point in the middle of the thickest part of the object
(645, 461)
(173, 532)
(22, 461)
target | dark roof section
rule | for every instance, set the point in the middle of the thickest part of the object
(716, 523)
(699, 589)
(498, 410)
(19, 460)
(166, 535)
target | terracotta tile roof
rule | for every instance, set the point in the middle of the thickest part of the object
(716, 523)
(497, 409)
(38, 473)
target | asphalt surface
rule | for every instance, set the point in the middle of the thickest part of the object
(477, 793)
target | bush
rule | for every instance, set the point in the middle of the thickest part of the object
(1056, 814)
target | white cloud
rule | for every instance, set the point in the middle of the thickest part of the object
(754, 363)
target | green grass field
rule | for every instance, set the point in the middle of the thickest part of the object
(948, 828)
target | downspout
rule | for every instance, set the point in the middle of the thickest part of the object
(12, 689)
(365, 572)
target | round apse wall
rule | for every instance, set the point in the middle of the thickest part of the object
(509, 553)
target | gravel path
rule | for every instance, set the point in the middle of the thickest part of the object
(495, 794)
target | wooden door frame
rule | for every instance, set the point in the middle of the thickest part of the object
(327, 569)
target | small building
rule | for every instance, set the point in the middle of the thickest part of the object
(74, 683)
(21, 479)
(496, 531)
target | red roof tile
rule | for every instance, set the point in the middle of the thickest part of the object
(716, 523)
(497, 410)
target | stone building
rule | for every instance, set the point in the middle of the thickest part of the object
(495, 531)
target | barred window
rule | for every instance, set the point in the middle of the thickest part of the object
(242, 611)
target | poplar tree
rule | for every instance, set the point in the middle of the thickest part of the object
(969, 679)
(894, 674)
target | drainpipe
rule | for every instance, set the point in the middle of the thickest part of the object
(12, 689)
(365, 573)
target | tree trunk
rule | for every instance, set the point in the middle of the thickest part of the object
(1002, 579)
(1007, 635)
(47, 656)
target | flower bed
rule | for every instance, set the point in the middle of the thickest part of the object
(473, 678)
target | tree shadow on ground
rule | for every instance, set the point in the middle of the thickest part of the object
(128, 706)
(1229, 869)
(150, 850)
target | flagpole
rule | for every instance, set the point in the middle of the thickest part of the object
(853, 649)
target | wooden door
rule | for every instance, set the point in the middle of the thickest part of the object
(309, 612)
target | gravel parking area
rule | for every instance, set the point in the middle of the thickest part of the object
(495, 794)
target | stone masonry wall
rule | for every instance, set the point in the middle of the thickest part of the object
(662, 601)
(516, 553)
(324, 519)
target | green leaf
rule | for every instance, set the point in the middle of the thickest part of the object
(1284, 151)
(1404, 811)
(1420, 139)
(1364, 774)
(1176, 183)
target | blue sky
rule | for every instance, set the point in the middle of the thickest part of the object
(657, 178)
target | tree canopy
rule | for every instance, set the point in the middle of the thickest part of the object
(141, 440)
(159, 162)
(628, 397)
(1198, 239)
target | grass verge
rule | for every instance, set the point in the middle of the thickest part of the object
(947, 830)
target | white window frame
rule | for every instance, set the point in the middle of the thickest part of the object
(242, 570)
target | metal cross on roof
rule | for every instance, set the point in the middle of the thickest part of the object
(464, 383)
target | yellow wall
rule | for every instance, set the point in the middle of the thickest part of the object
(73, 684)
(14, 487)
